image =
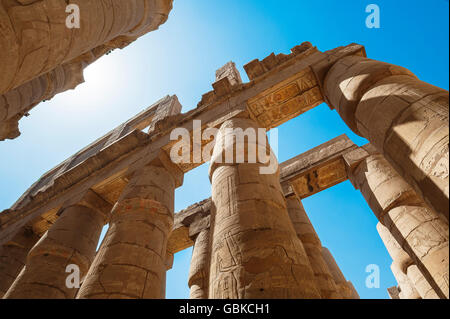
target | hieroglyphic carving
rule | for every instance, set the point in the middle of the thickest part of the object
(319, 179)
(286, 99)
(227, 262)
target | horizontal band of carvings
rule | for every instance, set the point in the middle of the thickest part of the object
(104, 165)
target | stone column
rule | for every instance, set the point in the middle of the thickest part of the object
(355, 294)
(417, 228)
(406, 287)
(13, 257)
(404, 265)
(38, 39)
(404, 118)
(255, 251)
(199, 268)
(313, 247)
(345, 288)
(393, 292)
(71, 240)
(131, 264)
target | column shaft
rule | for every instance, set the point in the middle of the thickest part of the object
(199, 268)
(355, 294)
(345, 288)
(255, 251)
(417, 228)
(405, 267)
(72, 239)
(38, 38)
(13, 257)
(312, 246)
(404, 118)
(132, 260)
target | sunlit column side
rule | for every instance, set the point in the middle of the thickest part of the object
(345, 287)
(45, 49)
(404, 266)
(312, 246)
(132, 260)
(416, 227)
(199, 267)
(255, 251)
(13, 257)
(404, 118)
(38, 37)
(71, 240)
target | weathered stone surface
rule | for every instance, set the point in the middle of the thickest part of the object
(71, 240)
(132, 260)
(355, 294)
(406, 288)
(13, 257)
(123, 141)
(416, 227)
(316, 169)
(286, 100)
(229, 71)
(41, 56)
(313, 248)
(198, 281)
(404, 118)
(255, 252)
(404, 264)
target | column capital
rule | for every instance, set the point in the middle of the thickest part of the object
(199, 225)
(239, 142)
(91, 200)
(158, 159)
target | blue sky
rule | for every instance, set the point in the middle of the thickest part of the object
(181, 58)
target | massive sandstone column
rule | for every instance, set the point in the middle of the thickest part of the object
(199, 268)
(354, 294)
(313, 247)
(408, 275)
(417, 228)
(404, 118)
(41, 56)
(13, 257)
(255, 251)
(406, 287)
(71, 240)
(345, 287)
(132, 261)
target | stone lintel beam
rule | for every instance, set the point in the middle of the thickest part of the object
(286, 89)
(316, 169)
(72, 239)
(404, 118)
(13, 257)
(181, 235)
